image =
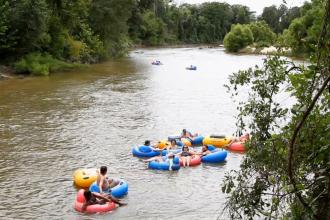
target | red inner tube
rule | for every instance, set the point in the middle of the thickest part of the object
(237, 146)
(195, 160)
(80, 199)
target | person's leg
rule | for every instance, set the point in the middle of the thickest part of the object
(157, 158)
(188, 160)
(183, 161)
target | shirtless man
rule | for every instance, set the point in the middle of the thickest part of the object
(105, 184)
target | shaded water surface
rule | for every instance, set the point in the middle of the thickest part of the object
(50, 126)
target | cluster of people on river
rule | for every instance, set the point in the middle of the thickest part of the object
(105, 184)
(185, 154)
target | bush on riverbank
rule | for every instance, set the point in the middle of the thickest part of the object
(41, 64)
(239, 37)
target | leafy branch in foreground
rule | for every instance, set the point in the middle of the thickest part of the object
(286, 171)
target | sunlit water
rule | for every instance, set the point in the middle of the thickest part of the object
(50, 126)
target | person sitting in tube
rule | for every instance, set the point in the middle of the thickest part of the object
(170, 154)
(105, 183)
(244, 138)
(185, 155)
(188, 135)
(205, 150)
(92, 198)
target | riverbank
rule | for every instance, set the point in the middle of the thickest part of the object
(7, 72)
(286, 52)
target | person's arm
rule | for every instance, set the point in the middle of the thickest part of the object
(101, 183)
(109, 198)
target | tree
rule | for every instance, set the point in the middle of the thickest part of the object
(239, 37)
(262, 34)
(286, 171)
(5, 42)
(242, 14)
(109, 21)
(302, 34)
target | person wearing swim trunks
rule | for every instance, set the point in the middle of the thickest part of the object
(105, 183)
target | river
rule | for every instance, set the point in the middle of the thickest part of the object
(51, 126)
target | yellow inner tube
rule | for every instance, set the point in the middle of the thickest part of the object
(84, 177)
(186, 142)
(217, 142)
(162, 144)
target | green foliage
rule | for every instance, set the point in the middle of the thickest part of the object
(279, 18)
(239, 37)
(109, 22)
(41, 64)
(286, 171)
(302, 34)
(5, 43)
(152, 29)
(262, 34)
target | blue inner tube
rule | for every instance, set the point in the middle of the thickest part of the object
(164, 165)
(215, 157)
(144, 151)
(211, 148)
(198, 140)
(118, 191)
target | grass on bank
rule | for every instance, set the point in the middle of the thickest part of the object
(42, 64)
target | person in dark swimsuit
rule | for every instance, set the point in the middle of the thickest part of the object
(92, 198)
(185, 155)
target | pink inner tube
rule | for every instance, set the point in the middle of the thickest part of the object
(237, 146)
(80, 199)
(195, 160)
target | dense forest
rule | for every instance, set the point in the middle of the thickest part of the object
(39, 36)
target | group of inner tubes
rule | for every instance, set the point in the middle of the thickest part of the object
(177, 151)
(157, 63)
(98, 192)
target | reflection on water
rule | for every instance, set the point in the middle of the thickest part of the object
(50, 126)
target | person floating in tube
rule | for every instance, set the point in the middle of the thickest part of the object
(188, 135)
(105, 183)
(170, 154)
(92, 198)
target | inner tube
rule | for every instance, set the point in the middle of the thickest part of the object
(186, 142)
(164, 165)
(83, 178)
(174, 137)
(191, 68)
(215, 157)
(118, 191)
(197, 140)
(80, 200)
(237, 146)
(162, 144)
(195, 161)
(216, 141)
(144, 151)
